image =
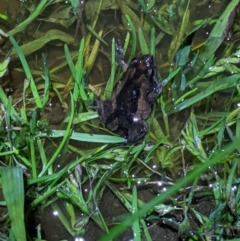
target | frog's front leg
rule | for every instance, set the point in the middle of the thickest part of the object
(120, 56)
(156, 85)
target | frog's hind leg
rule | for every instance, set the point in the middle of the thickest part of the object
(120, 56)
(137, 131)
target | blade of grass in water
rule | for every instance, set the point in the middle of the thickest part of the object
(3, 66)
(23, 108)
(219, 32)
(216, 158)
(143, 5)
(126, 43)
(98, 36)
(93, 54)
(33, 159)
(212, 88)
(63, 219)
(136, 227)
(152, 41)
(27, 72)
(37, 44)
(231, 179)
(180, 34)
(84, 116)
(142, 42)
(13, 191)
(47, 80)
(86, 137)
(5, 101)
(89, 36)
(69, 60)
(111, 81)
(134, 38)
(203, 71)
(78, 87)
(221, 134)
(238, 128)
(40, 7)
(66, 136)
(3, 17)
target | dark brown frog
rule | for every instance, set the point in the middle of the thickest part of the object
(133, 97)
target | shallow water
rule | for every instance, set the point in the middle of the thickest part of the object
(113, 25)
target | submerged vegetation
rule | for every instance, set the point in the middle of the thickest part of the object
(64, 175)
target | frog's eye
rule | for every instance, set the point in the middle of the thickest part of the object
(134, 61)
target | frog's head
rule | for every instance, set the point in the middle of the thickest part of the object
(144, 65)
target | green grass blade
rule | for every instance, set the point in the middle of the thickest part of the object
(142, 42)
(63, 219)
(47, 80)
(40, 7)
(93, 55)
(134, 37)
(27, 72)
(178, 38)
(143, 5)
(78, 87)
(69, 61)
(5, 101)
(126, 43)
(220, 134)
(238, 128)
(13, 191)
(3, 66)
(111, 81)
(86, 137)
(231, 180)
(66, 136)
(38, 43)
(203, 71)
(96, 34)
(217, 85)
(219, 31)
(136, 227)
(33, 122)
(84, 116)
(152, 41)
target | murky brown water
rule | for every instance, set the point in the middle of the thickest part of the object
(110, 21)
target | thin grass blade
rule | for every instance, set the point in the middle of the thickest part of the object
(111, 81)
(27, 72)
(5, 101)
(37, 44)
(40, 7)
(97, 35)
(136, 226)
(94, 53)
(86, 137)
(212, 88)
(134, 37)
(142, 42)
(47, 80)
(78, 87)
(13, 191)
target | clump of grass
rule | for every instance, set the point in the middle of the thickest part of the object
(208, 140)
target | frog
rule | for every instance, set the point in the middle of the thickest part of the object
(133, 97)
